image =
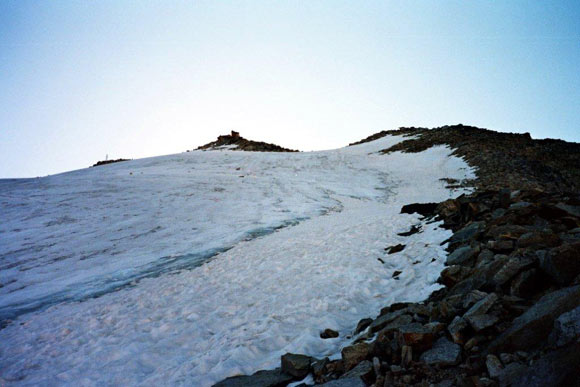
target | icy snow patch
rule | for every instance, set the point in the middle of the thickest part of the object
(239, 312)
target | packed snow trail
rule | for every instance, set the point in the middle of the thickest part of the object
(240, 311)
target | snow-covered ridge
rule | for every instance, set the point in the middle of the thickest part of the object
(90, 232)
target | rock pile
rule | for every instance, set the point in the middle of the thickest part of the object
(242, 144)
(105, 162)
(509, 311)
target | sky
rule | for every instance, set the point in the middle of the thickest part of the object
(83, 80)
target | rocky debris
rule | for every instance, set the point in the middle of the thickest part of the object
(414, 230)
(273, 378)
(328, 334)
(509, 311)
(242, 144)
(105, 162)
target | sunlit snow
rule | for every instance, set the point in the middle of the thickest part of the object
(210, 263)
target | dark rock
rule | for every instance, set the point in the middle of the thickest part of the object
(504, 197)
(494, 366)
(319, 369)
(519, 205)
(482, 321)
(328, 334)
(473, 297)
(511, 373)
(296, 365)
(443, 353)
(567, 328)
(538, 239)
(273, 378)
(468, 232)
(501, 245)
(363, 370)
(562, 263)
(395, 249)
(558, 368)
(507, 358)
(532, 328)
(482, 306)
(456, 329)
(396, 273)
(382, 321)
(507, 231)
(451, 275)
(352, 355)
(525, 284)
(425, 209)
(416, 336)
(484, 258)
(512, 267)
(362, 325)
(461, 255)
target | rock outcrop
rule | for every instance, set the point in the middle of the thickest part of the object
(239, 143)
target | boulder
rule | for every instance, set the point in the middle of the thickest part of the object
(558, 368)
(363, 370)
(456, 329)
(481, 306)
(272, 378)
(382, 321)
(443, 353)
(296, 365)
(453, 274)
(416, 336)
(531, 328)
(567, 327)
(352, 355)
(328, 334)
(425, 209)
(562, 263)
(462, 255)
(538, 239)
(395, 249)
(494, 366)
(482, 321)
(468, 232)
(512, 267)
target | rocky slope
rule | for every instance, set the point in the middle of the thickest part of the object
(235, 142)
(509, 313)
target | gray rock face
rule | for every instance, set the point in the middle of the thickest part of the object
(461, 255)
(567, 327)
(562, 263)
(532, 327)
(443, 353)
(272, 378)
(494, 366)
(296, 365)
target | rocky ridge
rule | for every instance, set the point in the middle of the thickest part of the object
(239, 143)
(509, 311)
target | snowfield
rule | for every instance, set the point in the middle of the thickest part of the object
(189, 268)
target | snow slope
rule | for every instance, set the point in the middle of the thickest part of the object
(140, 235)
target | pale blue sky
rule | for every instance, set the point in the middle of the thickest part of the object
(82, 79)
